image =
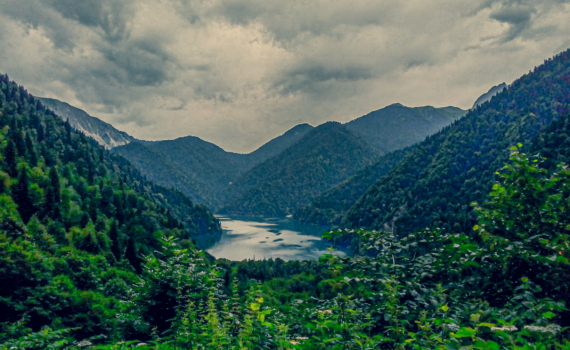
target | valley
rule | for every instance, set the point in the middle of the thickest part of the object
(409, 227)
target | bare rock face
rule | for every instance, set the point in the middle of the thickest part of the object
(104, 133)
(489, 94)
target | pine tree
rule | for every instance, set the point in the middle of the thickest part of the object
(10, 159)
(22, 198)
(90, 243)
(132, 257)
(32, 156)
(115, 244)
(54, 183)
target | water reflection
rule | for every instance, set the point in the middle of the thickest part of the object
(264, 238)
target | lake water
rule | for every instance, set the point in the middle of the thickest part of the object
(264, 238)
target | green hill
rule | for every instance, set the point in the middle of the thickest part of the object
(397, 126)
(75, 221)
(331, 206)
(322, 158)
(438, 180)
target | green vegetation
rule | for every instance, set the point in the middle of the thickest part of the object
(325, 156)
(435, 183)
(397, 126)
(331, 206)
(74, 223)
(503, 286)
(94, 256)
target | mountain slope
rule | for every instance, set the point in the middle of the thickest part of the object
(323, 157)
(277, 145)
(208, 166)
(331, 206)
(489, 94)
(75, 220)
(158, 168)
(436, 183)
(104, 133)
(397, 126)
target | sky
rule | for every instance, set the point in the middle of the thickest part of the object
(241, 72)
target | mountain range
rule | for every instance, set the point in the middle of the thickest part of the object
(208, 174)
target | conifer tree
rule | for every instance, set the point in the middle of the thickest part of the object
(22, 198)
(115, 244)
(54, 183)
(10, 159)
(32, 156)
(132, 257)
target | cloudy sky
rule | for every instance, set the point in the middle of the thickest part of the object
(240, 72)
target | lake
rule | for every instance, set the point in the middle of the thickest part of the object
(263, 238)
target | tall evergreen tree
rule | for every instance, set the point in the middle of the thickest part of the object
(32, 156)
(54, 183)
(132, 255)
(22, 198)
(115, 244)
(10, 159)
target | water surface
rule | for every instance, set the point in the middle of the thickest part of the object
(264, 238)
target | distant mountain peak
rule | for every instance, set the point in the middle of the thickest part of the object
(104, 133)
(397, 126)
(489, 94)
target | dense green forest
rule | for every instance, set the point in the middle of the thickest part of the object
(322, 158)
(504, 286)
(397, 126)
(74, 220)
(435, 183)
(331, 206)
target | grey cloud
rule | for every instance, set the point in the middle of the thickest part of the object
(517, 16)
(111, 16)
(307, 78)
(139, 64)
(34, 15)
(233, 71)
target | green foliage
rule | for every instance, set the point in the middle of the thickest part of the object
(60, 194)
(331, 206)
(325, 156)
(437, 181)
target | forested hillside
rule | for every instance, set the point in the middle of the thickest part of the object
(325, 156)
(397, 126)
(331, 206)
(155, 166)
(276, 145)
(436, 183)
(75, 220)
(199, 169)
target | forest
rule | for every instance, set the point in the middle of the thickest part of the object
(94, 256)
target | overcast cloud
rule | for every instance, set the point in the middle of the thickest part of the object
(240, 72)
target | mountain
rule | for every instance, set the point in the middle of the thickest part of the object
(200, 169)
(155, 166)
(331, 206)
(435, 184)
(397, 126)
(322, 158)
(75, 222)
(276, 145)
(104, 133)
(489, 94)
